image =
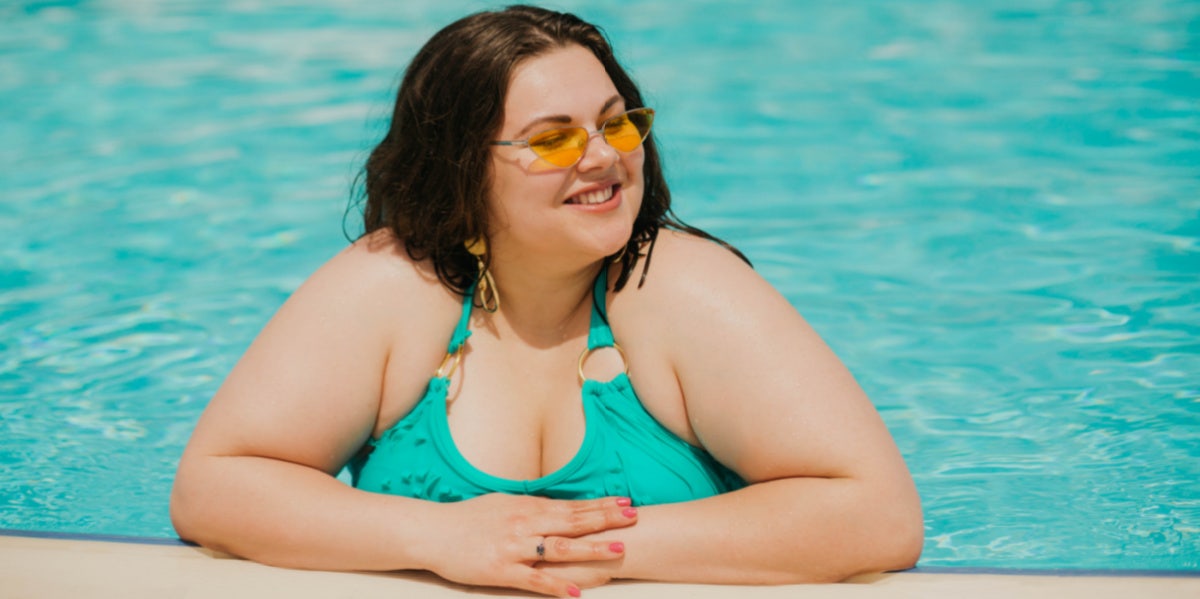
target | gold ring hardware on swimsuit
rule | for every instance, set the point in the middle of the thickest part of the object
(487, 296)
(587, 352)
(452, 359)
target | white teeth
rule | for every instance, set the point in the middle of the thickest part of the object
(594, 197)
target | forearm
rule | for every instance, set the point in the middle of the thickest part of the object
(784, 531)
(290, 515)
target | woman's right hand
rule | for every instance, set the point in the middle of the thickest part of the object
(492, 540)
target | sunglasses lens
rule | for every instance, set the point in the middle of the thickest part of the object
(564, 147)
(627, 131)
(560, 147)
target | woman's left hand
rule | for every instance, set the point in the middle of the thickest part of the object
(589, 574)
(585, 575)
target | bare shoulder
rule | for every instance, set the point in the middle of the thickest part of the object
(354, 341)
(377, 262)
(747, 365)
(677, 250)
(690, 277)
(700, 309)
(389, 304)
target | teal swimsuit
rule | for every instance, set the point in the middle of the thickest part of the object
(625, 451)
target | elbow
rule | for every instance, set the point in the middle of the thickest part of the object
(890, 538)
(184, 513)
(191, 512)
(894, 544)
(878, 537)
(187, 501)
(194, 524)
(902, 536)
(907, 544)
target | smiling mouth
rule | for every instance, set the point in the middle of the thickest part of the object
(594, 197)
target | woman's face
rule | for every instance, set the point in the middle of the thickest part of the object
(581, 213)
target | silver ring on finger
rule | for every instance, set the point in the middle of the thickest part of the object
(541, 549)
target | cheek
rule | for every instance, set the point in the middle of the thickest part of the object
(498, 188)
(497, 216)
(516, 195)
(511, 187)
(635, 167)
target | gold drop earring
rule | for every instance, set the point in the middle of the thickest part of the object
(615, 258)
(486, 296)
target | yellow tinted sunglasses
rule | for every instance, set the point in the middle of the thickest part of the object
(564, 146)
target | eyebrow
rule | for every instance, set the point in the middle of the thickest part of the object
(562, 119)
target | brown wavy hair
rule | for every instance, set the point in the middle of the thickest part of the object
(428, 179)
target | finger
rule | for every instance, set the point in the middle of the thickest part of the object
(538, 581)
(578, 518)
(565, 549)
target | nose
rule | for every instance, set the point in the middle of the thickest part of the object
(597, 155)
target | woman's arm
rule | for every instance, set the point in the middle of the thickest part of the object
(830, 495)
(257, 478)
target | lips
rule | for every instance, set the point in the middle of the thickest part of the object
(593, 197)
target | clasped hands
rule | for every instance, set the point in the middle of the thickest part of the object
(532, 543)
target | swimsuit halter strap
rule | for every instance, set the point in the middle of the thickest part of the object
(599, 333)
(462, 331)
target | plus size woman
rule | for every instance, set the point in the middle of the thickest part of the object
(538, 376)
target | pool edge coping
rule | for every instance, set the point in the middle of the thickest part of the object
(1062, 572)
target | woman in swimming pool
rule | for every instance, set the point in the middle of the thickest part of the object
(508, 209)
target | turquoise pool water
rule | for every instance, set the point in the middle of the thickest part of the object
(989, 209)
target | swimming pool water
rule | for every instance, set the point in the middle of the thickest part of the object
(989, 209)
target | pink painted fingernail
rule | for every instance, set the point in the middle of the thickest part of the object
(573, 591)
(624, 501)
(629, 512)
(616, 547)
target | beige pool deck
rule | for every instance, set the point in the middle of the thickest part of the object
(33, 567)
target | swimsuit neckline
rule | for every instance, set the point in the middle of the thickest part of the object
(599, 335)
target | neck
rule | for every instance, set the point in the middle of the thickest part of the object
(544, 310)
